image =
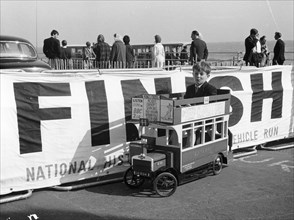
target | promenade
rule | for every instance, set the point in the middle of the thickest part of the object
(258, 186)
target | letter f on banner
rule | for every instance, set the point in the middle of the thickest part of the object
(259, 94)
(29, 115)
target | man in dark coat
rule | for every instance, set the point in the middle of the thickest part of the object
(201, 73)
(279, 50)
(198, 49)
(250, 43)
(51, 49)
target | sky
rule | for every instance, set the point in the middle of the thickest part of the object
(81, 21)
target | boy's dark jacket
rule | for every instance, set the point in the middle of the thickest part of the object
(205, 90)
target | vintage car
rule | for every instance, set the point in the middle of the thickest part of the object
(18, 53)
(180, 140)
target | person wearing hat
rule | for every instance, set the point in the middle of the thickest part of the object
(279, 50)
(118, 52)
(250, 43)
(158, 54)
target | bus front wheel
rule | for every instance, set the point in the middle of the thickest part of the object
(165, 184)
(132, 180)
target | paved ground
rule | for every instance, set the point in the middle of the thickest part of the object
(254, 187)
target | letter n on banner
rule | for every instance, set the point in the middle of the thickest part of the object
(259, 94)
(98, 112)
(29, 115)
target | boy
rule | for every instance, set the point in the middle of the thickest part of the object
(201, 72)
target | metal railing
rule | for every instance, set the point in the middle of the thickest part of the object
(144, 61)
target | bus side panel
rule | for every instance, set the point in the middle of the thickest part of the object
(196, 157)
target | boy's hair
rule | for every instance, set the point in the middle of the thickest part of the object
(54, 32)
(278, 34)
(202, 66)
(126, 39)
(100, 38)
(195, 33)
(64, 43)
(157, 39)
(253, 31)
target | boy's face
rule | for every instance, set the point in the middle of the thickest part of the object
(200, 77)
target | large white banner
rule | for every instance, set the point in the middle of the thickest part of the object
(63, 127)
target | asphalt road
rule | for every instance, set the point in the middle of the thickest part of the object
(254, 187)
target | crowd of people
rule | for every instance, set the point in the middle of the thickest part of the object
(122, 53)
(257, 52)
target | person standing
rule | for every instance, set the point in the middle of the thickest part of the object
(65, 56)
(130, 56)
(201, 73)
(157, 53)
(250, 43)
(51, 49)
(198, 49)
(279, 50)
(264, 51)
(118, 52)
(102, 51)
(184, 55)
(256, 53)
(89, 56)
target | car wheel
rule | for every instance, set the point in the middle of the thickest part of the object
(165, 184)
(217, 165)
(131, 180)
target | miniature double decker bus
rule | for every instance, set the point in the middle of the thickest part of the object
(179, 139)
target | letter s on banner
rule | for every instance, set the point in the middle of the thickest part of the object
(235, 85)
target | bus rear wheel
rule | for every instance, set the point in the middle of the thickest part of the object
(217, 164)
(165, 184)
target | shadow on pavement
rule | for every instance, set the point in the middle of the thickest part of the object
(59, 215)
(120, 189)
(146, 190)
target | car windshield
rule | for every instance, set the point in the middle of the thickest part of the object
(16, 49)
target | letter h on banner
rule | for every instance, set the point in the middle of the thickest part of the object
(259, 94)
